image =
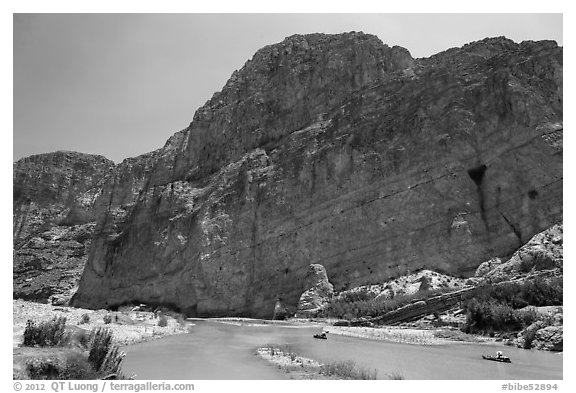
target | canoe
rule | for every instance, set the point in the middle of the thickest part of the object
(320, 336)
(502, 359)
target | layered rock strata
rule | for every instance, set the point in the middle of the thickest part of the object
(339, 150)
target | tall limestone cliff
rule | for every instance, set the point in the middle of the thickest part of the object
(60, 200)
(53, 221)
(341, 151)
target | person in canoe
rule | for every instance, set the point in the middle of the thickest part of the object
(499, 355)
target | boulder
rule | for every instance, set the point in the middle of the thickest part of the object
(486, 267)
(549, 338)
(318, 294)
(544, 251)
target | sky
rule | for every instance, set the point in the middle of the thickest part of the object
(120, 85)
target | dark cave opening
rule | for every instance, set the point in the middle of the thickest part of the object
(477, 174)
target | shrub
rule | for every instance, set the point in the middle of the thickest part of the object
(107, 319)
(101, 344)
(163, 321)
(42, 369)
(488, 316)
(76, 337)
(105, 357)
(112, 363)
(497, 307)
(529, 335)
(347, 370)
(85, 319)
(364, 304)
(46, 334)
(76, 366)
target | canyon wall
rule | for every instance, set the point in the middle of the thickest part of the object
(341, 151)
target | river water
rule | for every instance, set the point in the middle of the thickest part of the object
(217, 351)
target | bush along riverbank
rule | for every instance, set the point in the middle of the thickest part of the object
(129, 325)
(51, 342)
(527, 314)
(50, 351)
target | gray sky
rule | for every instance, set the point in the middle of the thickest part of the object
(120, 84)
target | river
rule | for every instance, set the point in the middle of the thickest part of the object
(218, 351)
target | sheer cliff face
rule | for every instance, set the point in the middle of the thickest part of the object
(53, 221)
(341, 151)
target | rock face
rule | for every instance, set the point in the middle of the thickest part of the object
(318, 292)
(546, 334)
(336, 150)
(543, 252)
(550, 338)
(60, 200)
(54, 219)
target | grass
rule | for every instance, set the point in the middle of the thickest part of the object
(347, 369)
(46, 334)
(95, 357)
(85, 319)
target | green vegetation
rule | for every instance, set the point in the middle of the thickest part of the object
(85, 319)
(364, 304)
(46, 334)
(163, 321)
(347, 370)
(99, 359)
(497, 307)
(99, 347)
(107, 319)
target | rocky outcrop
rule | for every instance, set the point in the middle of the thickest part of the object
(421, 281)
(55, 189)
(336, 150)
(318, 294)
(487, 267)
(543, 252)
(550, 338)
(546, 333)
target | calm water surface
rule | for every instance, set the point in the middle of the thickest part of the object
(219, 351)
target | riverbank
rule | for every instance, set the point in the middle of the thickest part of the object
(396, 334)
(434, 336)
(127, 327)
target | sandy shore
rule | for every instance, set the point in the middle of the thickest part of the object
(128, 327)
